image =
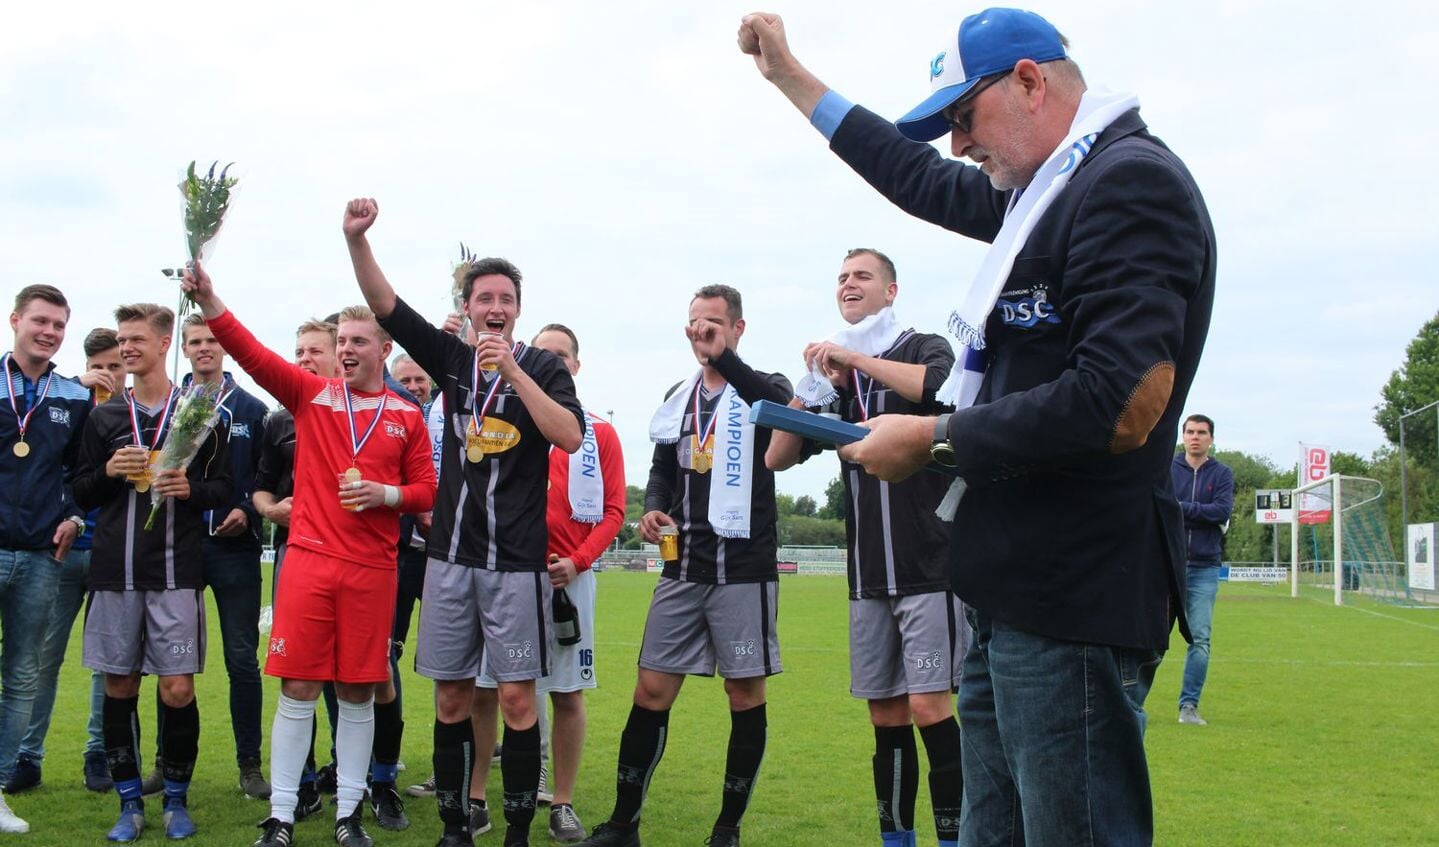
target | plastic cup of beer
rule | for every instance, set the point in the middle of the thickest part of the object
(491, 366)
(670, 543)
(346, 484)
(143, 479)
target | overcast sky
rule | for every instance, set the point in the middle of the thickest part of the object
(625, 153)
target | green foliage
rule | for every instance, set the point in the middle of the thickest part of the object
(833, 507)
(1414, 385)
(804, 506)
(803, 530)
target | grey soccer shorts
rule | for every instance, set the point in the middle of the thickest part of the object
(906, 645)
(465, 610)
(695, 628)
(161, 633)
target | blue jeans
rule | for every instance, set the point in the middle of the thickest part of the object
(234, 578)
(68, 601)
(1203, 588)
(1053, 744)
(28, 579)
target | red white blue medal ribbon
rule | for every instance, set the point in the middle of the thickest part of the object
(23, 422)
(702, 436)
(356, 442)
(160, 427)
(861, 394)
(480, 409)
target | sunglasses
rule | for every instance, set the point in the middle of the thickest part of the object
(961, 114)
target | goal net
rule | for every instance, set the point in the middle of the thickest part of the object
(1339, 528)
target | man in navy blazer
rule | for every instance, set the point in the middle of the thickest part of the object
(1068, 544)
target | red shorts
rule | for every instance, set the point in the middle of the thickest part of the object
(332, 620)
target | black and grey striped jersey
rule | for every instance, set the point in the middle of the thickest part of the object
(126, 556)
(488, 514)
(683, 493)
(896, 543)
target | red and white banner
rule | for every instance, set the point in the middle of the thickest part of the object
(1316, 506)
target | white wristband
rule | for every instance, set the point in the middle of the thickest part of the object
(392, 496)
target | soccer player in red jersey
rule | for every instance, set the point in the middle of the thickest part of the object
(354, 435)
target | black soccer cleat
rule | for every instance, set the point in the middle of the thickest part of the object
(609, 835)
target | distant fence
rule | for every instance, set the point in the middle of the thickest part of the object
(804, 561)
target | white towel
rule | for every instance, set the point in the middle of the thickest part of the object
(730, 476)
(872, 336)
(587, 477)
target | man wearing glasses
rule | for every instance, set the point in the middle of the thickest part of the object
(1081, 331)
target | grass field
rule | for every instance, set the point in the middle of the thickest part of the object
(1322, 732)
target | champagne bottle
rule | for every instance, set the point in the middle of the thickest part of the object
(565, 616)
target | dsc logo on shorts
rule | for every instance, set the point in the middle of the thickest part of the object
(182, 648)
(526, 650)
(743, 648)
(931, 661)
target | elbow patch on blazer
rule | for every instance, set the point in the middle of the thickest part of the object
(1147, 401)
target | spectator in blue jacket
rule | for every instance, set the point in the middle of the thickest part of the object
(40, 428)
(1205, 488)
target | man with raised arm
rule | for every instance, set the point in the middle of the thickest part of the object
(361, 459)
(486, 584)
(147, 601)
(232, 548)
(907, 631)
(1082, 331)
(274, 499)
(716, 604)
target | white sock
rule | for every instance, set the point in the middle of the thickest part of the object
(289, 745)
(354, 742)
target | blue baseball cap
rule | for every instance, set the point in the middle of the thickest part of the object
(987, 43)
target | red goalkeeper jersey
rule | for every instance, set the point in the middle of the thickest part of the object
(397, 453)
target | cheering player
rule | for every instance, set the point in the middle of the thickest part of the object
(147, 604)
(337, 592)
(907, 632)
(716, 603)
(486, 584)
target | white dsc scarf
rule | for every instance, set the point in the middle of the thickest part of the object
(587, 476)
(872, 336)
(1097, 110)
(729, 478)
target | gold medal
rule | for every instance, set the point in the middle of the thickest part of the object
(142, 485)
(21, 449)
(353, 475)
(474, 447)
(701, 455)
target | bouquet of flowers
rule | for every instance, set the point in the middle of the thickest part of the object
(196, 412)
(207, 199)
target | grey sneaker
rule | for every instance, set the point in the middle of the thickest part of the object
(1190, 715)
(252, 780)
(565, 825)
(422, 789)
(153, 783)
(543, 795)
(479, 817)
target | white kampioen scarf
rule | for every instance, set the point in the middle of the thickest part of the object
(730, 476)
(872, 336)
(587, 477)
(1097, 110)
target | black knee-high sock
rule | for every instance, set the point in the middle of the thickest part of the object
(181, 745)
(453, 757)
(120, 722)
(309, 775)
(896, 777)
(520, 773)
(746, 751)
(389, 730)
(642, 745)
(946, 777)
